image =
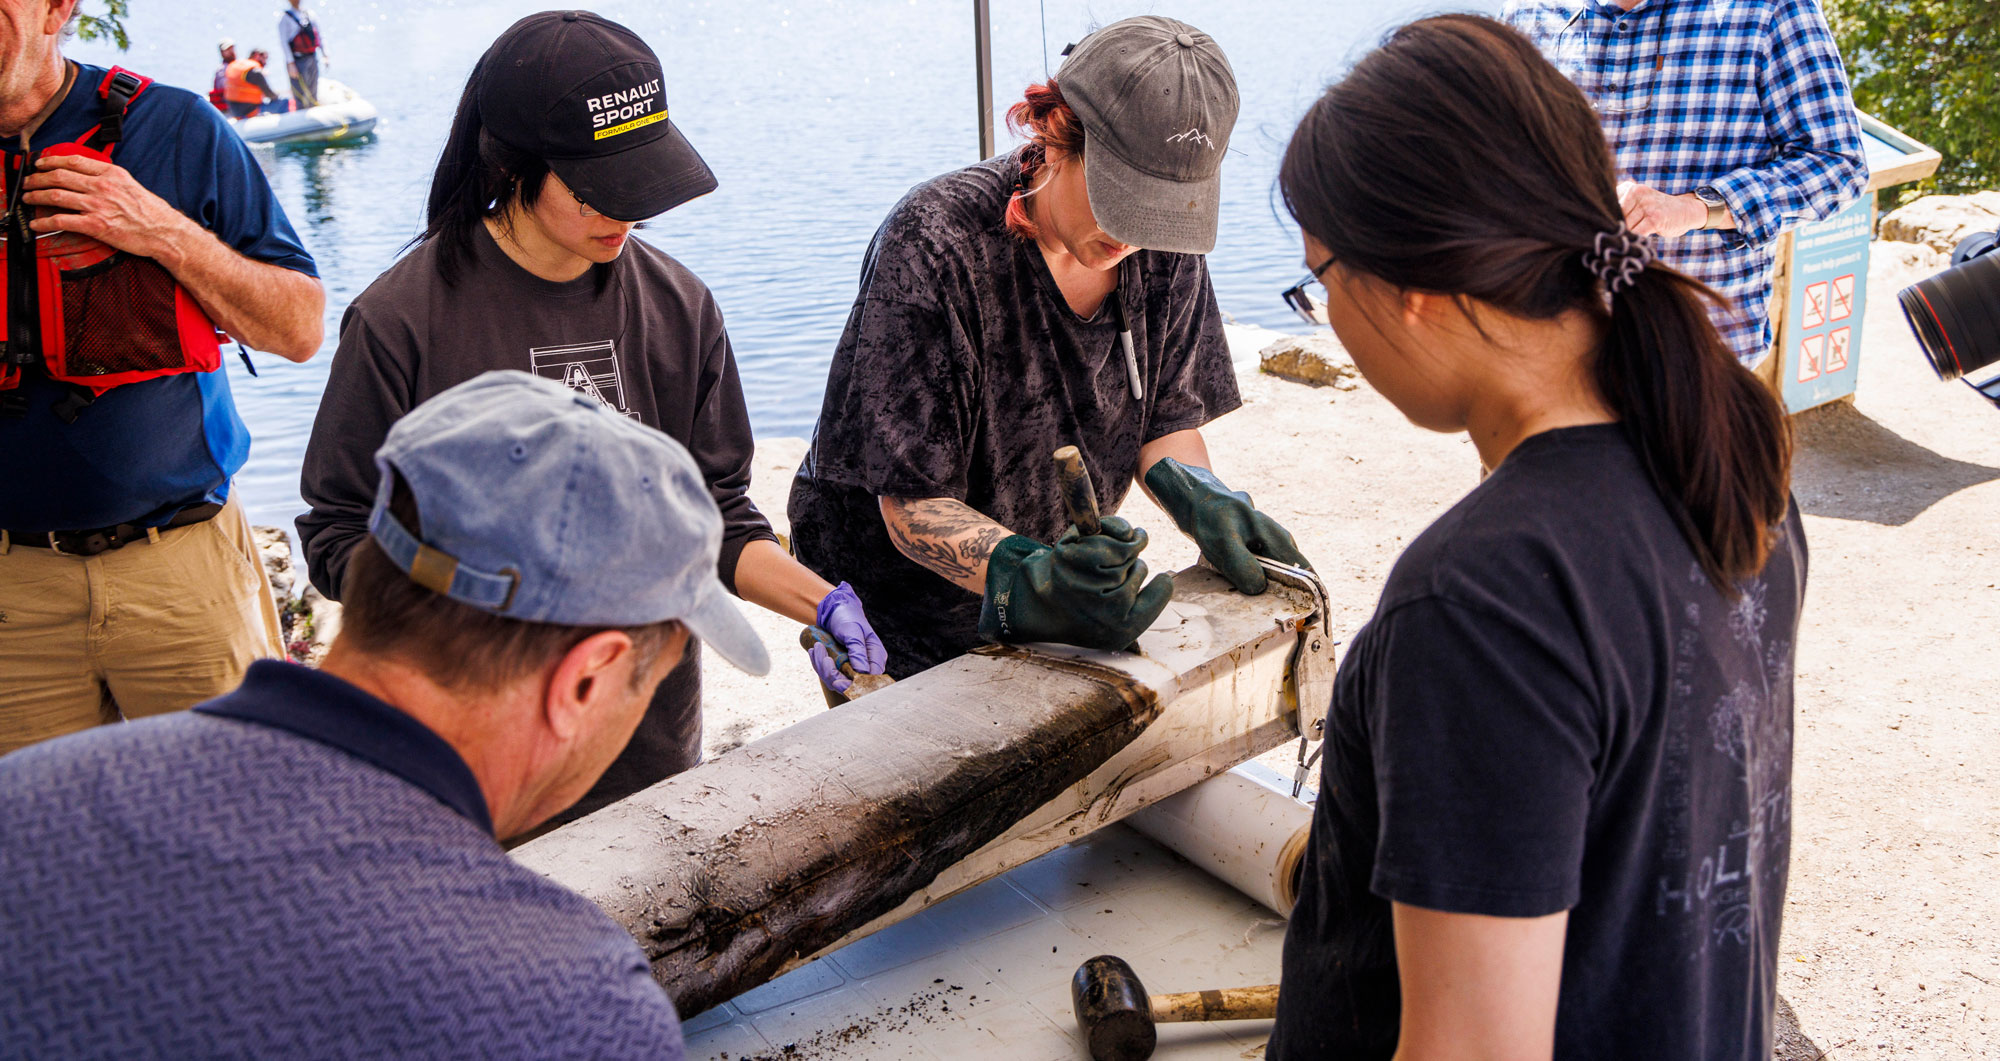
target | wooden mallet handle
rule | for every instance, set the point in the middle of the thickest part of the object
(1079, 494)
(1230, 1003)
(1117, 1016)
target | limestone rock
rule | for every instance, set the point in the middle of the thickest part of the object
(310, 621)
(1940, 221)
(1897, 265)
(1318, 360)
(275, 547)
(316, 623)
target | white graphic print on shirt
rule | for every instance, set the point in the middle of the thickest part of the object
(588, 367)
(1750, 730)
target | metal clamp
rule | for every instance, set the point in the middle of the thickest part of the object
(1312, 669)
(1306, 761)
(1301, 578)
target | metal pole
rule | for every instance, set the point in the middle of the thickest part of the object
(982, 34)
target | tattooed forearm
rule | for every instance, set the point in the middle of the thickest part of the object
(947, 537)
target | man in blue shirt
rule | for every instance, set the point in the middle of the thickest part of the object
(1731, 122)
(129, 584)
(312, 859)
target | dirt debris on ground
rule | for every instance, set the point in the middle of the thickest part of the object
(924, 1007)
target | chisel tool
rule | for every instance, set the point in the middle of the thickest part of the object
(863, 683)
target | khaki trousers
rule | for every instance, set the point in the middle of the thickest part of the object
(159, 625)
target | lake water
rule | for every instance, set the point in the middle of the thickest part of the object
(816, 118)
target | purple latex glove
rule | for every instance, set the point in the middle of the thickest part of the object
(840, 614)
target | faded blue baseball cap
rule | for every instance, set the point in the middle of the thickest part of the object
(541, 503)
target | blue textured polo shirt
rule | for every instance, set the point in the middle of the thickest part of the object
(296, 869)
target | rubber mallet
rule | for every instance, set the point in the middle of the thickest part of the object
(1118, 1018)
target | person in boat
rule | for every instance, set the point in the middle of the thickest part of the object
(218, 92)
(1554, 813)
(129, 580)
(561, 144)
(299, 35)
(244, 87)
(1056, 295)
(314, 854)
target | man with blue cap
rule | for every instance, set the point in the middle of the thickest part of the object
(313, 859)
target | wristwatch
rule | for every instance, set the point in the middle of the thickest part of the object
(1718, 209)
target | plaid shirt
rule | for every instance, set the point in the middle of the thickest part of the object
(1746, 97)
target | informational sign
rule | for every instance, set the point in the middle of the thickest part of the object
(1821, 328)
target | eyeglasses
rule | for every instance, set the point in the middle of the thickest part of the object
(1309, 309)
(582, 208)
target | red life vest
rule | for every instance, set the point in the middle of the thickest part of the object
(80, 311)
(306, 40)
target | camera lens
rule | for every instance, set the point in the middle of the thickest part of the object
(1956, 315)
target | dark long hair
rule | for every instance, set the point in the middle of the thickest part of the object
(1456, 160)
(477, 177)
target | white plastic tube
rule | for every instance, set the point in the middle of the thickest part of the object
(1242, 826)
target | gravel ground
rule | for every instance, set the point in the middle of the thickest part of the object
(1889, 945)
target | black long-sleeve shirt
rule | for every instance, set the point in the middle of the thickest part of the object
(643, 334)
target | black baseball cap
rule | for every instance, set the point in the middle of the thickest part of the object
(586, 95)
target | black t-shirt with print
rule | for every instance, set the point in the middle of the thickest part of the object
(1553, 709)
(961, 371)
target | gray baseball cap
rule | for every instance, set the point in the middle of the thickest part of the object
(540, 503)
(1157, 100)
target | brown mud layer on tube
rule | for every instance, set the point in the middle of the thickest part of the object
(732, 870)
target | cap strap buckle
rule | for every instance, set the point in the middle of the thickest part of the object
(439, 571)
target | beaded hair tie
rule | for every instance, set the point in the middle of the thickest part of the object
(1617, 258)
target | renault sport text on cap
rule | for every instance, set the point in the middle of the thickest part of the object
(539, 503)
(587, 96)
(1157, 100)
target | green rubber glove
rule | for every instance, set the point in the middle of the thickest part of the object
(1087, 590)
(1230, 531)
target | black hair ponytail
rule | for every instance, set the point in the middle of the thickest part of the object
(1712, 436)
(1455, 159)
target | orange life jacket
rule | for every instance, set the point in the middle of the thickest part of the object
(88, 315)
(236, 86)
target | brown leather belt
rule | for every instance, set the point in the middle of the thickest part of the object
(104, 539)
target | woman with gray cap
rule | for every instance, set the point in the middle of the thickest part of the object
(1052, 296)
(560, 146)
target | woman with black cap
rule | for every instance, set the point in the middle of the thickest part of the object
(560, 146)
(1053, 296)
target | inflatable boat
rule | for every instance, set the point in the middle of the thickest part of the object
(341, 117)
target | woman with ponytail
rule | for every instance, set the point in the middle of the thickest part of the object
(1554, 815)
(1053, 296)
(560, 147)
